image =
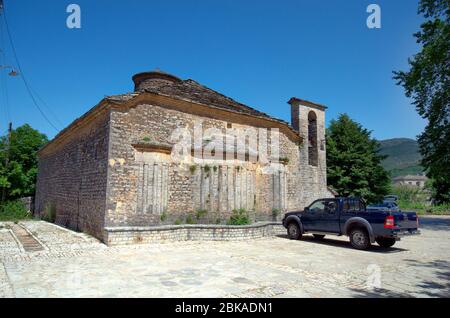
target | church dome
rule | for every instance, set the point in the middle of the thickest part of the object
(153, 79)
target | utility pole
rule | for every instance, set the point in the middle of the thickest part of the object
(13, 72)
(7, 151)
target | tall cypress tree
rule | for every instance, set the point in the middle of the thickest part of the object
(353, 163)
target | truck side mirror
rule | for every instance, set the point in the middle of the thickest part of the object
(306, 209)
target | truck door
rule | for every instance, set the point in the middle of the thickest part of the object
(350, 208)
(329, 221)
(312, 216)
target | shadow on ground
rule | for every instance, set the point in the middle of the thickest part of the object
(378, 293)
(439, 288)
(435, 223)
(346, 244)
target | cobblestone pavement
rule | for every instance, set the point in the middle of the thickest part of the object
(76, 265)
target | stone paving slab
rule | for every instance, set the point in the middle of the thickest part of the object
(6, 290)
(76, 265)
(8, 243)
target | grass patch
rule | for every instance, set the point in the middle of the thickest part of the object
(13, 211)
(443, 209)
(423, 209)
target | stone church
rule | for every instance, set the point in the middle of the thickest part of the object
(114, 166)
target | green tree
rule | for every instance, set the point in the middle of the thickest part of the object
(353, 163)
(427, 83)
(18, 162)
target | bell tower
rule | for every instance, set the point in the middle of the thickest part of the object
(308, 119)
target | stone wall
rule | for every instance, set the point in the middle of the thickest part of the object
(143, 235)
(218, 189)
(72, 178)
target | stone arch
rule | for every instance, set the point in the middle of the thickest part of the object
(313, 151)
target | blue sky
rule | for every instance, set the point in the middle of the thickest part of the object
(258, 52)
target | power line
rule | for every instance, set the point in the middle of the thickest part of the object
(22, 75)
(59, 122)
(2, 78)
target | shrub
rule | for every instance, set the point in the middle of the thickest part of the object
(13, 211)
(408, 205)
(178, 222)
(146, 139)
(284, 160)
(190, 219)
(239, 217)
(275, 213)
(192, 169)
(163, 216)
(201, 213)
(409, 195)
(412, 198)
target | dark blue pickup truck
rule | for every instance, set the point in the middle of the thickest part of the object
(349, 216)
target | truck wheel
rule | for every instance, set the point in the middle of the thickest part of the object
(294, 232)
(359, 238)
(318, 236)
(385, 242)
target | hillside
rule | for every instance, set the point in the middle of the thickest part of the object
(403, 156)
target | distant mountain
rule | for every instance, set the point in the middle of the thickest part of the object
(403, 156)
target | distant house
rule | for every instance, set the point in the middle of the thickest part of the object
(409, 180)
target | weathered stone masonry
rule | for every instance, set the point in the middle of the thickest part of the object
(72, 178)
(188, 232)
(112, 168)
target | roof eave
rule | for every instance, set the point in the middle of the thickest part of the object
(307, 103)
(109, 102)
